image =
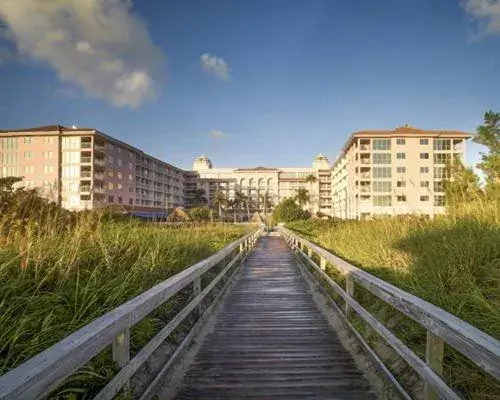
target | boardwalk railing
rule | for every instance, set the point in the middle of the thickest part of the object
(40, 375)
(441, 326)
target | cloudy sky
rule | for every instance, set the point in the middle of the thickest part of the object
(248, 82)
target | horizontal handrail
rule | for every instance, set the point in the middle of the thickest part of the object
(41, 374)
(476, 345)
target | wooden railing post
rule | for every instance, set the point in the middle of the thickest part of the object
(349, 288)
(434, 353)
(322, 262)
(309, 253)
(121, 351)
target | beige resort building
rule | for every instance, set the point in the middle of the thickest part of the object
(264, 186)
(391, 172)
(383, 172)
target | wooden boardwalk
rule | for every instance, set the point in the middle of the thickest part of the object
(271, 342)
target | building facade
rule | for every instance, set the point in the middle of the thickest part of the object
(392, 172)
(265, 187)
(84, 168)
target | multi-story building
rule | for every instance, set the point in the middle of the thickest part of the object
(84, 168)
(399, 171)
(390, 172)
(264, 186)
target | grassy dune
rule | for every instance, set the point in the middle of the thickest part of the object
(452, 261)
(59, 271)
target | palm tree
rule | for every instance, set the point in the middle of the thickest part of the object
(220, 201)
(245, 203)
(266, 200)
(302, 197)
(233, 206)
(237, 201)
(311, 179)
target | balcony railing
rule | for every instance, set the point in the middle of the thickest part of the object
(86, 145)
(364, 161)
(99, 147)
(99, 161)
(85, 174)
(85, 189)
(364, 147)
(85, 160)
(365, 189)
(99, 176)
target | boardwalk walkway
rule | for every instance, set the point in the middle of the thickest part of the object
(270, 341)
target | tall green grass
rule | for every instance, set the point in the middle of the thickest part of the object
(59, 271)
(452, 261)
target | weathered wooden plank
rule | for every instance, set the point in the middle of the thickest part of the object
(476, 345)
(419, 366)
(39, 375)
(270, 338)
(434, 354)
(120, 379)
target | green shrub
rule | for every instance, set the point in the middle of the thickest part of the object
(200, 214)
(287, 211)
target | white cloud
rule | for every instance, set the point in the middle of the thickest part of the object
(486, 12)
(99, 46)
(217, 134)
(217, 65)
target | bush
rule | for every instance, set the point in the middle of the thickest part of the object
(288, 211)
(200, 214)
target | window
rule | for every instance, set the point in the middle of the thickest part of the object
(424, 184)
(8, 158)
(28, 155)
(130, 166)
(9, 171)
(442, 144)
(381, 144)
(120, 162)
(382, 186)
(70, 171)
(111, 173)
(439, 201)
(27, 140)
(424, 142)
(110, 146)
(131, 189)
(381, 158)
(70, 143)
(401, 156)
(130, 177)
(401, 197)
(383, 201)
(401, 170)
(424, 156)
(48, 140)
(29, 169)
(382, 172)
(48, 155)
(439, 186)
(111, 199)
(120, 200)
(110, 186)
(400, 141)
(401, 184)
(442, 158)
(85, 197)
(441, 172)
(119, 149)
(119, 186)
(424, 170)
(119, 175)
(9, 144)
(424, 198)
(71, 157)
(111, 160)
(48, 169)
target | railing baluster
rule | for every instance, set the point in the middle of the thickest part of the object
(121, 351)
(434, 353)
(309, 252)
(349, 288)
(322, 262)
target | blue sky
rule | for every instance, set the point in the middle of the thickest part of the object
(280, 81)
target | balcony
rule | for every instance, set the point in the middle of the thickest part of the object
(100, 161)
(85, 174)
(99, 177)
(364, 189)
(364, 147)
(86, 145)
(99, 190)
(99, 147)
(85, 160)
(365, 161)
(365, 175)
(85, 189)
